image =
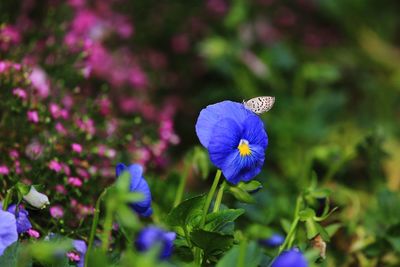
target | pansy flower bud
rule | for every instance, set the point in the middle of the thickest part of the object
(36, 199)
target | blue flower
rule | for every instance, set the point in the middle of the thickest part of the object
(138, 184)
(80, 247)
(273, 241)
(235, 138)
(8, 230)
(22, 217)
(152, 236)
(290, 258)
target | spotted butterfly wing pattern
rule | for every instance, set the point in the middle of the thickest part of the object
(259, 104)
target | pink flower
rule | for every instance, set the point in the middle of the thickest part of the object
(57, 212)
(33, 116)
(4, 170)
(14, 154)
(55, 166)
(33, 233)
(55, 110)
(74, 181)
(76, 148)
(34, 150)
(60, 129)
(40, 82)
(61, 189)
(20, 93)
(73, 256)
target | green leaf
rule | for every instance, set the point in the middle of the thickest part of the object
(11, 257)
(306, 214)
(186, 212)
(285, 225)
(123, 182)
(212, 243)
(241, 195)
(251, 186)
(201, 162)
(332, 228)
(127, 217)
(216, 221)
(324, 234)
(252, 258)
(311, 228)
(23, 188)
(97, 258)
(321, 193)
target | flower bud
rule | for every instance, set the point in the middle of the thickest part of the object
(36, 199)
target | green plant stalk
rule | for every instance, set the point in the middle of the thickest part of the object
(242, 253)
(95, 223)
(290, 236)
(210, 197)
(197, 251)
(181, 186)
(8, 197)
(107, 228)
(218, 199)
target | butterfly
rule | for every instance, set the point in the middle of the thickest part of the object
(259, 104)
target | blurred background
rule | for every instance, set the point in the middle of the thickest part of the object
(127, 79)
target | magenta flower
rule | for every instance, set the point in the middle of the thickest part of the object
(74, 181)
(33, 233)
(4, 170)
(55, 166)
(76, 148)
(20, 93)
(57, 212)
(33, 116)
(40, 82)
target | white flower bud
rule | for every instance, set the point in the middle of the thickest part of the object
(36, 199)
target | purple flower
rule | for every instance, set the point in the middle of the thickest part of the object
(152, 236)
(22, 218)
(138, 184)
(290, 258)
(272, 241)
(8, 230)
(235, 139)
(80, 247)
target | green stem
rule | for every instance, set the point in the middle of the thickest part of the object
(107, 228)
(7, 199)
(290, 236)
(95, 223)
(242, 253)
(197, 251)
(210, 197)
(218, 199)
(181, 186)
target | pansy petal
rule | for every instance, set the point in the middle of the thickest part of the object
(254, 131)
(148, 212)
(225, 139)
(237, 168)
(8, 230)
(143, 205)
(212, 114)
(120, 168)
(136, 172)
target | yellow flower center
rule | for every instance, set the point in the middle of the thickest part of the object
(244, 149)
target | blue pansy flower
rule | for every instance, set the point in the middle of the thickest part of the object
(235, 139)
(273, 241)
(137, 184)
(152, 236)
(80, 247)
(290, 258)
(8, 230)
(22, 218)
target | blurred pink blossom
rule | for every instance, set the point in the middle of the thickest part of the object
(55, 166)
(76, 148)
(57, 212)
(33, 233)
(33, 116)
(4, 170)
(40, 82)
(74, 181)
(20, 93)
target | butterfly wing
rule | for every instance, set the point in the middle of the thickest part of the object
(260, 104)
